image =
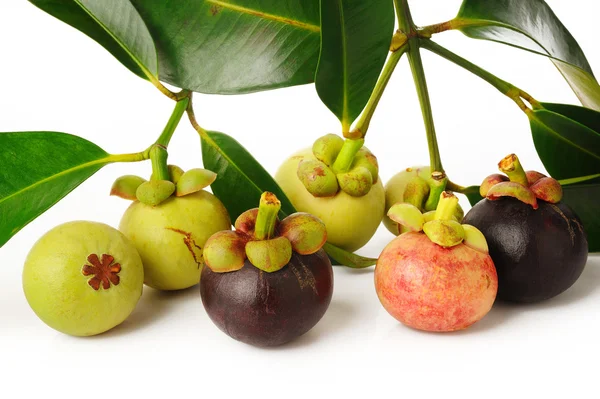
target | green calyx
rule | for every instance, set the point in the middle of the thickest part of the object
(264, 240)
(194, 180)
(442, 225)
(425, 194)
(155, 191)
(527, 187)
(339, 165)
(126, 187)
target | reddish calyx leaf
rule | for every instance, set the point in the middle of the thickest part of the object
(512, 189)
(265, 241)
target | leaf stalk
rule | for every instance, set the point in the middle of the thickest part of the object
(509, 90)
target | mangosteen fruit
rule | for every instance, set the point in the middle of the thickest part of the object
(538, 244)
(83, 278)
(437, 276)
(169, 222)
(269, 281)
(337, 181)
(416, 186)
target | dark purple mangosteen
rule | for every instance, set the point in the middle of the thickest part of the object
(537, 243)
(267, 282)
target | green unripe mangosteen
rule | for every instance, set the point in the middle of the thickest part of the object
(394, 191)
(170, 236)
(83, 278)
(351, 220)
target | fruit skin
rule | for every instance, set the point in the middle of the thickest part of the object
(394, 191)
(431, 288)
(269, 309)
(538, 253)
(58, 291)
(170, 237)
(351, 221)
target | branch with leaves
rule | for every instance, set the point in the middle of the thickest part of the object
(348, 48)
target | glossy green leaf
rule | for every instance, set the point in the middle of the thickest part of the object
(242, 180)
(115, 24)
(533, 26)
(583, 199)
(37, 169)
(567, 146)
(234, 46)
(356, 37)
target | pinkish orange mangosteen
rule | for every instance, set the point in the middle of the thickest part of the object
(438, 276)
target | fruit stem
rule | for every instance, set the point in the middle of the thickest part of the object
(158, 157)
(169, 129)
(345, 158)
(416, 66)
(509, 90)
(362, 126)
(447, 206)
(267, 216)
(514, 170)
(437, 185)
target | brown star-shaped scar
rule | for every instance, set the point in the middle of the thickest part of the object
(104, 272)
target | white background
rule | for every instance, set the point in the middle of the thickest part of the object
(54, 78)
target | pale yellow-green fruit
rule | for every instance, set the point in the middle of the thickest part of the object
(394, 191)
(350, 221)
(170, 237)
(83, 278)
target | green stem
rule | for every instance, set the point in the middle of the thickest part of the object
(509, 90)
(362, 126)
(437, 185)
(174, 120)
(457, 188)
(192, 117)
(447, 206)
(344, 160)
(266, 219)
(158, 156)
(403, 14)
(135, 157)
(416, 66)
(173, 96)
(428, 31)
(514, 170)
(459, 23)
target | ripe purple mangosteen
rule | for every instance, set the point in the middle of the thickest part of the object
(269, 281)
(537, 243)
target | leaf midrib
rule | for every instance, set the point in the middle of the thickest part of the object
(264, 15)
(552, 131)
(135, 59)
(476, 23)
(101, 161)
(345, 89)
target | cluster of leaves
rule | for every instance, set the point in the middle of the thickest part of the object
(234, 47)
